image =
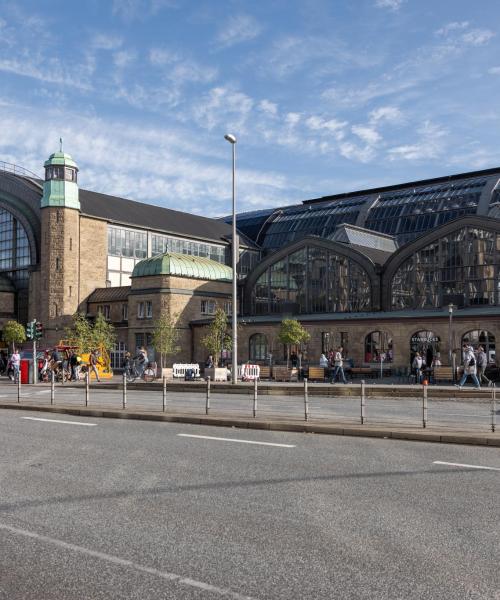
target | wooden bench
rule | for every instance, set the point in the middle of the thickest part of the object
(361, 371)
(265, 373)
(316, 373)
(285, 374)
(443, 374)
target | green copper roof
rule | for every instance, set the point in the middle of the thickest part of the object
(60, 158)
(183, 265)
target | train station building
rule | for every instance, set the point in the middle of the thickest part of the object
(383, 272)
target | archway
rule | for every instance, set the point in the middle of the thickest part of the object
(427, 343)
(378, 344)
(481, 337)
(258, 347)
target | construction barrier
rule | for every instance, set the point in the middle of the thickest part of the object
(179, 370)
(248, 372)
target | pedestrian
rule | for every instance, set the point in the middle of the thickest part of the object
(74, 362)
(338, 364)
(417, 367)
(323, 361)
(15, 361)
(294, 359)
(482, 363)
(470, 364)
(142, 360)
(93, 360)
(209, 363)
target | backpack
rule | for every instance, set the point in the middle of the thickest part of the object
(472, 362)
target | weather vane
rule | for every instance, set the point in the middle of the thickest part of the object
(60, 144)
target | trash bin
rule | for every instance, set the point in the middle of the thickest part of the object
(189, 375)
(25, 370)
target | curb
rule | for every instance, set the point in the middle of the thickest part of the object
(450, 437)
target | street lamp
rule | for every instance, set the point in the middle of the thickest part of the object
(234, 370)
(450, 323)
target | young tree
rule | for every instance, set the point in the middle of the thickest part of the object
(102, 334)
(80, 333)
(218, 337)
(165, 336)
(291, 332)
(14, 333)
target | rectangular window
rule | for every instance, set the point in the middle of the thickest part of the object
(124, 312)
(104, 310)
(148, 309)
(140, 310)
(208, 307)
(228, 307)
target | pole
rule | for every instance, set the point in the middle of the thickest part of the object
(255, 392)
(306, 400)
(19, 384)
(164, 402)
(381, 370)
(52, 386)
(449, 334)
(235, 278)
(87, 385)
(494, 408)
(424, 407)
(124, 402)
(207, 402)
(363, 402)
(35, 363)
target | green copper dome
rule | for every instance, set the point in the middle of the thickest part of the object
(183, 265)
(60, 158)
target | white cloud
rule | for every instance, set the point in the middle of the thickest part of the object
(124, 58)
(129, 10)
(358, 153)
(327, 126)
(494, 71)
(269, 108)
(238, 29)
(391, 114)
(455, 26)
(431, 144)
(367, 134)
(477, 37)
(223, 107)
(390, 4)
(162, 56)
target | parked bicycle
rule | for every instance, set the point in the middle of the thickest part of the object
(147, 375)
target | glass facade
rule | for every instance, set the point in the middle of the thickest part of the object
(461, 268)
(165, 243)
(408, 213)
(127, 242)
(312, 280)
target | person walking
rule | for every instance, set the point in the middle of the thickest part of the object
(470, 365)
(338, 366)
(482, 363)
(15, 361)
(93, 360)
(417, 364)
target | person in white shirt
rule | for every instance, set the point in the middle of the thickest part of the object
(15, 361)
(470, 367)
(417, 364)
(338, 363)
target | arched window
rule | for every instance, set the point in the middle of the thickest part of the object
(460, 268)
(378, 345)
(483, 338)
(427, 343)
(258, 347)
(313, 279)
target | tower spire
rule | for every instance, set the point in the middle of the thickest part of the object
(60, 145)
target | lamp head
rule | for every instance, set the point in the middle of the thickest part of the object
(450, 308)
(230, 138)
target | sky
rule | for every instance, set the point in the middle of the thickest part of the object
(324, 96)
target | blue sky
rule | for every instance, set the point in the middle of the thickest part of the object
(323, 96)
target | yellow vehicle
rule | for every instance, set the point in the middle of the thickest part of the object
(103, 359)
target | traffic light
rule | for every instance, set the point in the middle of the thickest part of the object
(38, 330)
(30, 330)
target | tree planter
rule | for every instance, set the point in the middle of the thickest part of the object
(216, 374)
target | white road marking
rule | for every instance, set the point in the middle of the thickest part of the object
(450, 464)
(58, 421)
(220, 439)
(122, 562)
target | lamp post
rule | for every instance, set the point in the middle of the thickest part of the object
(450, 337)
(234, 370)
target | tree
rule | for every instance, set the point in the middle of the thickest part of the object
(165, 336)
(80, 333)
(14, 333)
(103, 334)
(218, 337)
(291, 332)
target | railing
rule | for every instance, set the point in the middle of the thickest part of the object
(17, 170)
(362, 407)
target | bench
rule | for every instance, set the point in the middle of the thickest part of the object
(265, 373)
(285, 374)
(316, 373)
(443, 374)
(361, 371)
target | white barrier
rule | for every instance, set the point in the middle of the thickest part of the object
(179, 370)
(248, 372)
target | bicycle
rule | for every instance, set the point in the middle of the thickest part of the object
(147, 375)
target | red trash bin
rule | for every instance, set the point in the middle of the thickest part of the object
(25, 370)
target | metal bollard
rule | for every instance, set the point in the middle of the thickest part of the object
(52, 386)
(19, 386)
(255, 392)
(424, 407)
(494, 408)
(306, 400)
(164, 404)
(87, 386)
(363, 402)
(124, 401)
(207, 402)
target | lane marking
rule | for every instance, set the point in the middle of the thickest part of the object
(221, 439)
(450, 464)
(122, 562)
(58, 421)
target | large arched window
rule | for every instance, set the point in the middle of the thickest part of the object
(460, 268)
(312, 279)
(378, 346)
(258, 347)
(482, 338)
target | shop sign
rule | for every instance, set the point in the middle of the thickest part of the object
(424, 340)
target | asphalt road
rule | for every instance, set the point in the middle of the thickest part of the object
(136, 510)
(378, 410)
